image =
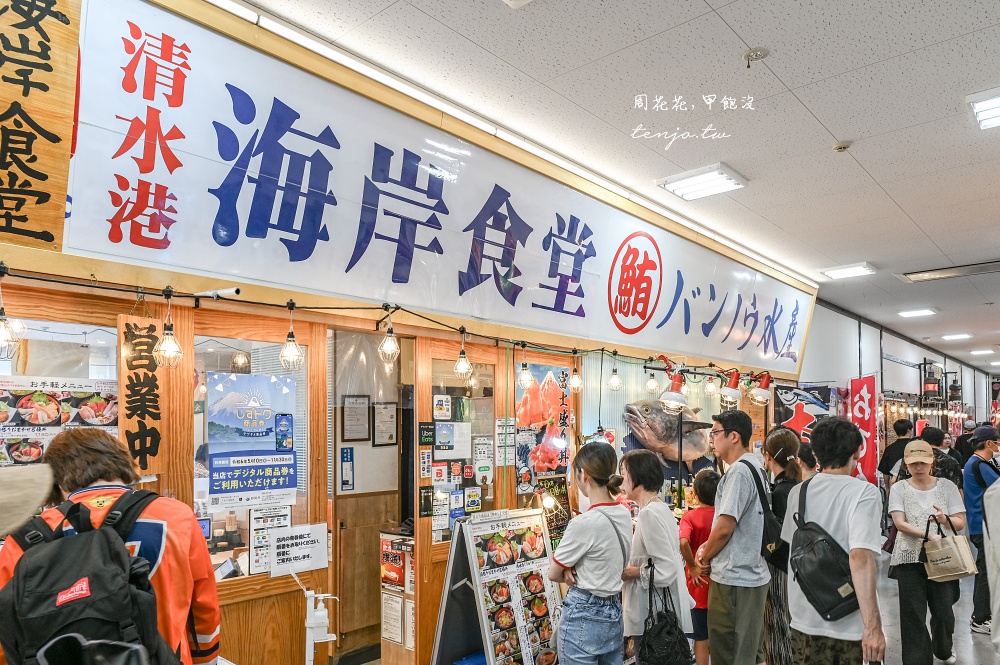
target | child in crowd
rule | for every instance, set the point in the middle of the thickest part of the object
(695, 527)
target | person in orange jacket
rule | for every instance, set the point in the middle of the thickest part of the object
(91, 467)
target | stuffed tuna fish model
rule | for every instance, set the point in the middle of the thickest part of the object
(655, 426)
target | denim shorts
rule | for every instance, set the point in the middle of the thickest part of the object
(590, 630)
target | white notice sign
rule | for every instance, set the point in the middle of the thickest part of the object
(392, 617)
(296, 549)
(262, 522)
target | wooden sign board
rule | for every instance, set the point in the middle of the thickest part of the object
(497, 597)
(155, 404)
(38, 75)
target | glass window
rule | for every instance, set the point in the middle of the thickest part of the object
(251, 449)
(62, 375)
(463, 401)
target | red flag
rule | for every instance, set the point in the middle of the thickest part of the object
(863, 414)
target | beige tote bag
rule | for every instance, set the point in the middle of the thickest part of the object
(949, 558)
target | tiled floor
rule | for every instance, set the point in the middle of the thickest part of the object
(971, 648)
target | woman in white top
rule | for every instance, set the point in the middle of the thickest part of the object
(590, 559)
(913, 503)
(656, 537)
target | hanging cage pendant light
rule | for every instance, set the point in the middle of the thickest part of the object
(575, 380)
(168, 351)
(388, 350)
(524, 377)
(240, 363)
(652, 386)
(291, 356)
(463, 368)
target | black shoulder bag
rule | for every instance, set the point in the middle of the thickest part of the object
(771, 540)
(821, 567)
(663, 641)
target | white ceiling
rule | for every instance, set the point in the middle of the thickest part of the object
(918, 188)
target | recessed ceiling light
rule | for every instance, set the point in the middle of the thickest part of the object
(996, 363)
(209, 350)
(853, 270)
(706, 181)
(959, 336)
(981, 352)
(910, 313)
(986, 108)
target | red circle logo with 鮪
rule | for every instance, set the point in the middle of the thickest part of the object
(635, 282)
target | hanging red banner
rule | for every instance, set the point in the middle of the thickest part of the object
(863, 414)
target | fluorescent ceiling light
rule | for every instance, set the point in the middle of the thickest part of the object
(982, 352)
(954, 337)
(853, 270)
(910, 313)
(986, 108)
(706, 181)
(996, 363)
(236, 8)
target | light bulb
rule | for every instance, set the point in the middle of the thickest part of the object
(203, 389)
(710, 387)
(388, 350)
(652, 386)
(615, 382)
(168, 352)
(291, 355)
(18, 326)
(761, 395)
(575, 381)
(684, 390)
(524, 378)
(240, 363)
(548, 503)
(473, 382)
(463, 368)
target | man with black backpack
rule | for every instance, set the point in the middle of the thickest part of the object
(979, 475)
(832, 524)
(108, 563)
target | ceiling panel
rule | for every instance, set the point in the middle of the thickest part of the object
(812, 40)
(434, 56)
(553, 122)
(808, 176)
(547, 38)
(971, 182)
(825, 214)
(700, 58)
(927, 148)
(908, 90)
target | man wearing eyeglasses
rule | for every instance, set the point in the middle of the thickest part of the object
(979, 475)
(739, 577)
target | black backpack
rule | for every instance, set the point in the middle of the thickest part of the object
(86, 584)
(821, 567)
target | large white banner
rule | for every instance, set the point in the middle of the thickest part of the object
(201, 154)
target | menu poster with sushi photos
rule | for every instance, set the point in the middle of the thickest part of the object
(33, 409)
(512, 558)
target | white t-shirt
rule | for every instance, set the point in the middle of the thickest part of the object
(592, 547)
(849, 510)
(944, 494)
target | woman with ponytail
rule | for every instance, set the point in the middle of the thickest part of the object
(657, 541)
(590, 559)
(781, 451)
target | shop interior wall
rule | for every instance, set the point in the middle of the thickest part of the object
(833, 349)
(899, 377)
(374, 502)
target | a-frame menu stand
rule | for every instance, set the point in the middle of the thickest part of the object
(497, 597)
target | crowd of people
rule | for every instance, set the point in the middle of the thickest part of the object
(736, 600)
(727, 586)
